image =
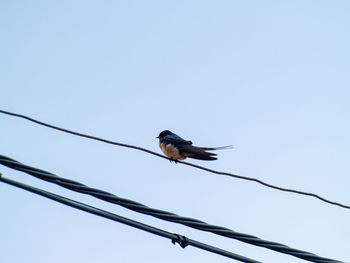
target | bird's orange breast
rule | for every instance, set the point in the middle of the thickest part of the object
(171, 151)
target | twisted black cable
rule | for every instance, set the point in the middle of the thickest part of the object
(175, 238)
(135, 206)
(182, 162)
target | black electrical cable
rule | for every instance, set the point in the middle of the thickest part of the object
(135, 206)
(175, 238)
(182, 162)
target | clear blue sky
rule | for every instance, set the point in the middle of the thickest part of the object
(269, 77)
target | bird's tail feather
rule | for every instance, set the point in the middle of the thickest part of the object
(216, 148)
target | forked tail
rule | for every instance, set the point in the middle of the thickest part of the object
(216, 148)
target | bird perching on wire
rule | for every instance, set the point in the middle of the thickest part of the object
(176, 148)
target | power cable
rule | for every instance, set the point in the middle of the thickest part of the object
(175, 238)
(164, 215)
(182, 162)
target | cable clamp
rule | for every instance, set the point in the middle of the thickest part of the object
(182, 240)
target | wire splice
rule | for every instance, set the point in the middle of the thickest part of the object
(181, 240)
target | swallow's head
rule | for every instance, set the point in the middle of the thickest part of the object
(163, 134)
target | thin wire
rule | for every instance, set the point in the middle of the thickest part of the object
(175, 238)
(164, 215)
(182, 162)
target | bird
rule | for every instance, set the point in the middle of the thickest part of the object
(176, 148)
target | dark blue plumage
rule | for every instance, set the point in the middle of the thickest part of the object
(167, 137)
(177, 148)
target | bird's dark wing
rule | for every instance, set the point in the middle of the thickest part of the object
(175, 140)
(194, 152)
(200, 152)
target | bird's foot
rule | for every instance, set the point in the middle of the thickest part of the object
(172, 160)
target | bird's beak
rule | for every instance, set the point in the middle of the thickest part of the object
(157, 137)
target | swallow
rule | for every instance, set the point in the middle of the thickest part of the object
(177, 148)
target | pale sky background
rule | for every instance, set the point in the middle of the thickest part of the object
(269, 77)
